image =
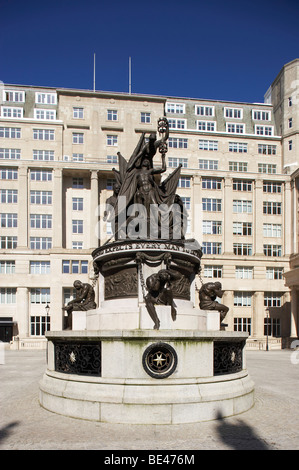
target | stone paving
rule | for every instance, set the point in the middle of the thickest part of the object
(272, 424)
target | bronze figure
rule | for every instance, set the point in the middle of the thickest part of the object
(207, 298)
(85, 300)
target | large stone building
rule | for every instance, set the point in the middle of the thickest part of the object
(239, 183)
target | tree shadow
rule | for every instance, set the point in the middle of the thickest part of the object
(6, 430)
(239, 436)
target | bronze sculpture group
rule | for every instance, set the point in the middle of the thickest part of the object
(137, 190)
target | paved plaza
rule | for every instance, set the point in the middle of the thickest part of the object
(272, 424)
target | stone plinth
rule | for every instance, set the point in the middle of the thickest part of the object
(111, 376)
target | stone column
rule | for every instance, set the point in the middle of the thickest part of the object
(57, 208)
(294, 313)
(23, 205)
(228, 300)
(258, 218)
(196, 214)
(94, 202)
(287, 208)
(227, 209)
(258, 314)
(22, 312)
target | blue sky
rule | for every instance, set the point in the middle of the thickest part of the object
(227, 50)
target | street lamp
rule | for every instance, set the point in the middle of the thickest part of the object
(47, 307)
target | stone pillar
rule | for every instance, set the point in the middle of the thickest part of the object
(258, 315)
(228, 216)
(57, 208)
(258, 214)
(287, 208)
(94, 202)
(22, 311)
(196, 223)
(23, 205)
(294, 313)
(228, 300)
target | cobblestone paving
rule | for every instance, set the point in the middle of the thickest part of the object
(272, 424)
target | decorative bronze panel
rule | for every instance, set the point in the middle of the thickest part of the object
(121, 284)
(159, 360)
(228, 357)
(79, 358)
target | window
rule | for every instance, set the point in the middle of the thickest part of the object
(208, 126)
(242, 299)
(267, 168)
(14, 95)
(77, 203)
(186, 202)
(8, 174)
(290, 123)
(290, 144)
(10, 132)
(272, 327)
(78, 113)
(242, 228)
(43, 155)
(272, 250)
(77, 183)
(235, 128)
(40, 243)
(77, 226)
(68, 294)
(211, 248)
(240, 206)
(39, 325)
(242, 324)
(40, 295)
(244, 249)
(145, 118)
(212, 271)
(208, 164)
(112, 140)
(78, 138)
(111, 114)
(8, 220)
(45, 98)
(272, 230)
(274, 273)
(244, 272)
(211, 183)
(211, 227)
(110, 183)
(290, 101)
(177, 123)
(8, 295)
(211, 205)
(271, 187)
(265, 149)
(204, 110)
(242, 185)
(264, 130)
(258, 115)
(40, 267)
(8, 242)
(41, 221)
(177, 143)
(10, 112)
(74, 267)
(41, 197)
(237, 147)
(43, 134)
(211, 145)
(77, 245)
(8, 196)
(272, 208)
(233, 113)
(77, 157)
(184, 182)
(41, 175)
(10, 154)
(174, 162)
(238, 166)
(272, 299)
(7, 267)
(45, 114)
(175, 108)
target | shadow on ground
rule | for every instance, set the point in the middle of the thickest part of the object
(239, 436)
(7, 430)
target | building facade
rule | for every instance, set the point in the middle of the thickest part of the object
(239, 184)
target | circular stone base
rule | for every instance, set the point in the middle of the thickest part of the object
(146, 376)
